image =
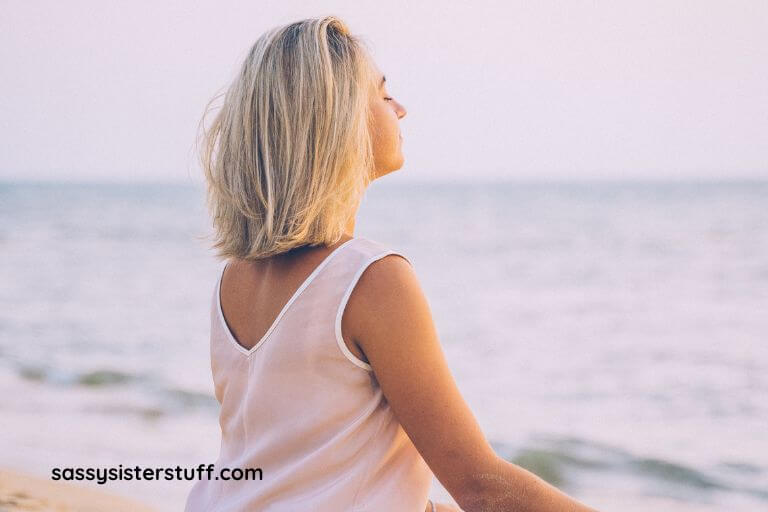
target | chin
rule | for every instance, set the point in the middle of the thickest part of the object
(393, 165)
(399, 162)
(383, 172)
(397, 167)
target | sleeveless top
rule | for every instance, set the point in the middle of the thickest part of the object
(305, 410)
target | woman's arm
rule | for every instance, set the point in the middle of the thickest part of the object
(389, 318)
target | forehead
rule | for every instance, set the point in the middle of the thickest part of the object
(377, 78)
(377, 74)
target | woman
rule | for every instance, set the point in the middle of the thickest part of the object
(324, 355)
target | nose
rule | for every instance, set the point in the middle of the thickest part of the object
(401, 111)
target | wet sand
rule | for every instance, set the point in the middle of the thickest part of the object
(20, 492)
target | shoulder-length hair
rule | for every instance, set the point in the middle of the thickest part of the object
(289, 155)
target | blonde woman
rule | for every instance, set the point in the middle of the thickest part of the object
(324, 355)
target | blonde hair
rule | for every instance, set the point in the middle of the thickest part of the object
(289, 155)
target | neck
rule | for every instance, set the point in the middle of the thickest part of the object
(350, 230)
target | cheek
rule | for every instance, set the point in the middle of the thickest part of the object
(390, 130)
(386, 131)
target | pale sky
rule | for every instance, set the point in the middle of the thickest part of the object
(533, 90)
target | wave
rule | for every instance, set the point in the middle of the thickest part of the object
(94, 378)
(156, 398)
(563, 461)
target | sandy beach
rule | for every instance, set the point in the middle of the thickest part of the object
(20, 492)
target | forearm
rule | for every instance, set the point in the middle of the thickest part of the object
(504, 486)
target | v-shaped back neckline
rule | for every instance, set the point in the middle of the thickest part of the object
(276, 321)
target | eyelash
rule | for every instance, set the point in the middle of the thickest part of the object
(388, 99)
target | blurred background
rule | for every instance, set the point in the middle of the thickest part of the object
(584, 197)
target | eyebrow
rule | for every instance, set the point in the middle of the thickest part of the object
(383, 79)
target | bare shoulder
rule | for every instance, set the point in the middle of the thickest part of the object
(378, 295)
(386, 275)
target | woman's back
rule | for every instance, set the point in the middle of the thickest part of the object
(297, 403)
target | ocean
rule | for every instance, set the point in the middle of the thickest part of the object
(610, 337)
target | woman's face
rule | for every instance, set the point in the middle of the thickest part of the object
(387, 140)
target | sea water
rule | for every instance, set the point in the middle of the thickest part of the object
(610, 337)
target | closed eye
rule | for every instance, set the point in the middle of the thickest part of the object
(388, 99)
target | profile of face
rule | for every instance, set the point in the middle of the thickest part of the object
(386, 114)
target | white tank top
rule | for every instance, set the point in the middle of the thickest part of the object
(305, 410)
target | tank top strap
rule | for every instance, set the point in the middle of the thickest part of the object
(332, 288)
(345, 268)
(363, 252)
